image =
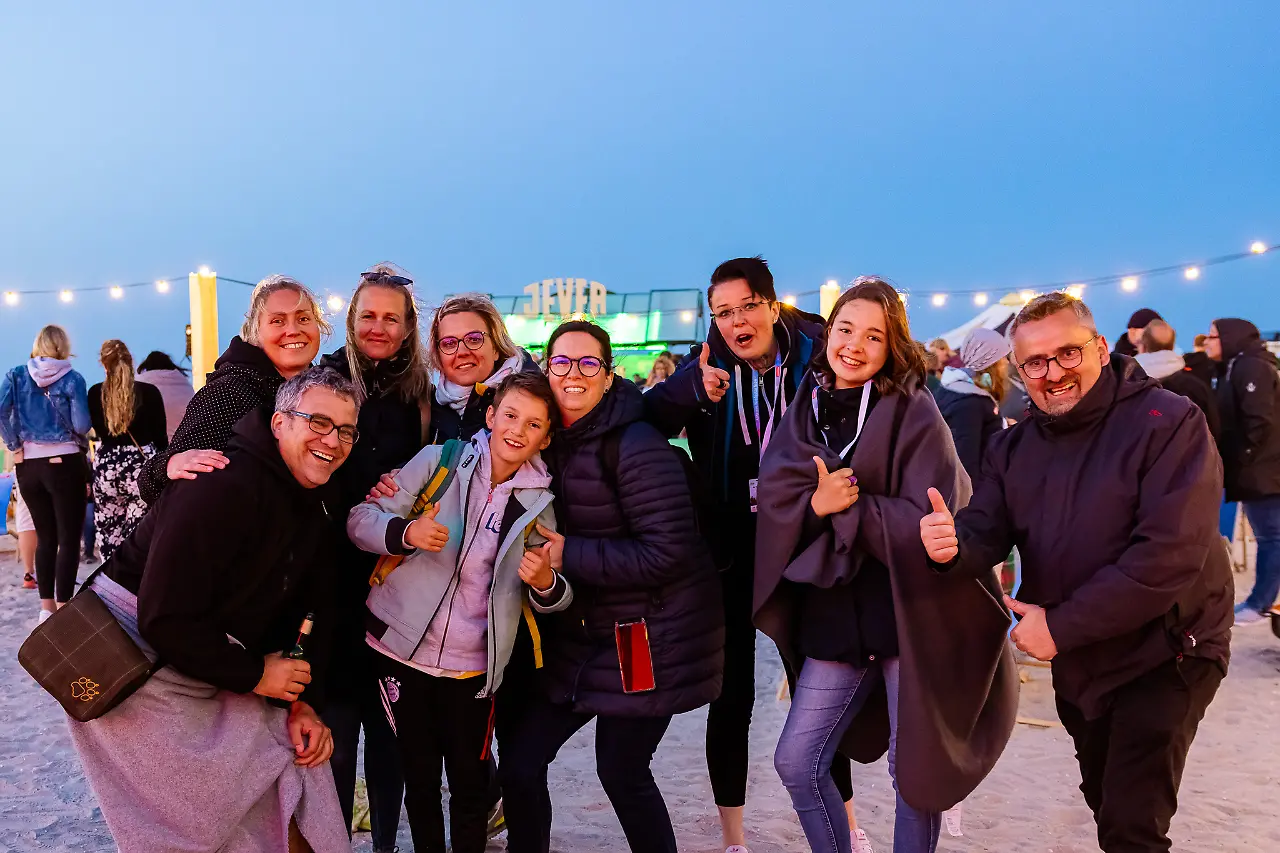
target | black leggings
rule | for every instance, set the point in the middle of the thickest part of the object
(54, 490)
(729, 718)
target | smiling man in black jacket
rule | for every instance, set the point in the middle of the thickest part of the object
(1110, 491)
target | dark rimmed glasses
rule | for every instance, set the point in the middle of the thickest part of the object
(323, 425)
(588, 365)
(1068, 358)
(471, 340)
(386, 278)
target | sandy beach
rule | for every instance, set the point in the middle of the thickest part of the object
(1230, 799)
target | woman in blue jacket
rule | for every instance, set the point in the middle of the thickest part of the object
(44, 418)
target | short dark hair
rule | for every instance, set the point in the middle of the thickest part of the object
(157, 360)
(535, 385)
(597, 332)
(755, 271)
(905, 355)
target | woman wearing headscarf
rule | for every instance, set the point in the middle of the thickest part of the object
(892, 656)
(279, 339)
(44, 418)
(970, 396)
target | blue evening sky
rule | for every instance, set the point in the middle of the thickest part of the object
(486, 145)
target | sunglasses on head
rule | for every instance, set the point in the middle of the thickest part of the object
(387, 277)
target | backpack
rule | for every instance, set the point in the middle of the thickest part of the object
(610, 459)
(439, 482)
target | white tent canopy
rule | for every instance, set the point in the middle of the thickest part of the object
(991, 317)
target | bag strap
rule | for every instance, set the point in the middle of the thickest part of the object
(441, 479)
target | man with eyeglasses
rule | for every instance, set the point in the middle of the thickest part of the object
(1110, 490)
(730, 394)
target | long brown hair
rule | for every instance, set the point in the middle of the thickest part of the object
(414, 380)
(904, 357)
(118, 399)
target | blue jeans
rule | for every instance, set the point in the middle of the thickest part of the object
(828, 696)
(1227, 519)
(1264, 518)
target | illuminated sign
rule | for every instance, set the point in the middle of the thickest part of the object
(565, 296)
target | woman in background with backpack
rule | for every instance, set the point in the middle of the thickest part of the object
(644, 584)
(44, 418)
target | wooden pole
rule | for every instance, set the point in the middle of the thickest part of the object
(204, 324)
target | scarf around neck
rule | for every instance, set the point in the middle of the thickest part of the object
(456, 396)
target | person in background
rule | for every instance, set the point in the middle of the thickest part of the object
(279, 339)
(128, 418)
(970, 396)
(471, 352)
(661, 371)
(385, 359)
(158, 369)
(643, 584)
(44, 421)
(875, 635)
(1248, 393)
(1110, 490)
(1127, 344)
(730, 394)
(445, 624)
(26, 530)
(943, 352)
(89, 534)
(197, 759)
(1157, 357)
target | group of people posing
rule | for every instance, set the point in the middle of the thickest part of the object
(493, 548)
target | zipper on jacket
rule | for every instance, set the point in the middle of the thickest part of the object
(456, 580)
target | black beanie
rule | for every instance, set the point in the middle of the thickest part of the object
(1142, 318)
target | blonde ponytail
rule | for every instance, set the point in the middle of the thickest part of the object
(117, 391)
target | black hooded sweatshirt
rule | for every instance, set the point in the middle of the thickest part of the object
(1114, 509)
(245, 551)
(1249, 403)
(242, 380)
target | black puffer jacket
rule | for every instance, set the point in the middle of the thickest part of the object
(390, 435)
(447, 423)
(632, 551)
(1249, 406)
(242, 380)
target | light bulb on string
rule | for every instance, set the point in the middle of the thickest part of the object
(1075, 291)
(336, 303)
(1027, 295)
(790, 300)
(66, 296)
(979, 299)
(1129, 283)
(686, 316)
(117, 292)
(10, 298)
(162, 286)
(938, 300)
(1191, 273)
(1257, 247)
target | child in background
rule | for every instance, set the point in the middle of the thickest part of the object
(446, 621)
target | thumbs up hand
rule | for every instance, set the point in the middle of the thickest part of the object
(837, 490)
(938, 530)
(1032, 634)
(427, 533)
(714, 380)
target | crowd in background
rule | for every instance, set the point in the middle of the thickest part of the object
(493, 546)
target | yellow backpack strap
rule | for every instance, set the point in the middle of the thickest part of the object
(534, 634)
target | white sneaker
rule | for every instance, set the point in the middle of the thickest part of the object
(736, 848)
(862, 844)
(1248, 616)
(44, 614)
(951, 818)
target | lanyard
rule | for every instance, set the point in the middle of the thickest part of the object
(862, 417)
(772, 405)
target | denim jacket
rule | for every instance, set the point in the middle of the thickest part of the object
(26, 413)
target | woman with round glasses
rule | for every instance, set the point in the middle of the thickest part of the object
(279, 339)
(645, 637)
(387, 365)
(471, 352)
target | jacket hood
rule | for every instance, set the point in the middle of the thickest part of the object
(621, 406)
(252, 436)
(956, 380)
(1159, 365)
(1121, 378)
(46, 371)
(241, 354)
(791, 326)
(1237, 336)
(164, 378)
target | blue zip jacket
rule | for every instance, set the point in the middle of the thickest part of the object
(26, 414)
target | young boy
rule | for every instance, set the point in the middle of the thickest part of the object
(446, 619)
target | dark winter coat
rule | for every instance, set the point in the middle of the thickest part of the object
(1114, 509)
(391, 433)
(972, 417)
(1172, 372)
(242, 380)
(244, 551)
(958, 695)
(632, 551)
(1248, 394)
(720, 452)
(447, 423)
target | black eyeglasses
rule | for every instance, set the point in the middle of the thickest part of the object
(323, 425)
(386, 277)
(472, 341)
(588, 365)
(1067, 358)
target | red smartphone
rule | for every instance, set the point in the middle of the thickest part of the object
(634, 657)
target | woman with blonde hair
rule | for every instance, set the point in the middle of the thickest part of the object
(128, 418)
(663, 366)
(44, 418)
(279, 339)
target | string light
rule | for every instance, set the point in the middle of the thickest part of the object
(1191, 273)
(939, 299)
(66, 296)
(790, 300)
(162, 286)
(831, 282)
(1257, 247)
(117, 292)
(1129, 283)
(1027, 295)
(979, 299)
(10, 298)
(1075, 291)
(205, 271)
(686, 316)
(335, 303)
